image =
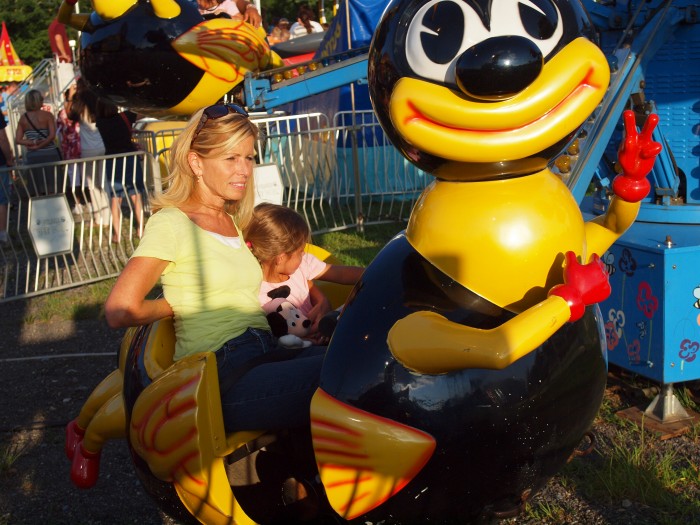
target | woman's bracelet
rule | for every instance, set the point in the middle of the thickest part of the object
(249, 6)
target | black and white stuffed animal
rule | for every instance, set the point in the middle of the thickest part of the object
(286, 321)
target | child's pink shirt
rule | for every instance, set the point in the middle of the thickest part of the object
(298, 283)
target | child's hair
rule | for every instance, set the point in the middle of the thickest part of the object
(275, 230)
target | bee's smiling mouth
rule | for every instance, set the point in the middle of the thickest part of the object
(554, 105)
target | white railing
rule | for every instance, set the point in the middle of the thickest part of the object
(339, 177)
(101, 202)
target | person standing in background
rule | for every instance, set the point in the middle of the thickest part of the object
(3, 106)
(241, 9)
(305, 24)
(7, 159)
(84, 109)
(36, 131)
(58, 39)
(68, 132)
(124, 175)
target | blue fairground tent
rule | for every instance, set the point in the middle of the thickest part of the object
(363, 17)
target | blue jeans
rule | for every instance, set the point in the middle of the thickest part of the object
(272, 395)
(128, 168)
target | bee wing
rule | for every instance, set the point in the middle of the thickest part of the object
(177, 428)
(225, 48)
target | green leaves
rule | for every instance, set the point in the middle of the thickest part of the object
(27, 24)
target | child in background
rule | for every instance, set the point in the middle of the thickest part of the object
(277, 236)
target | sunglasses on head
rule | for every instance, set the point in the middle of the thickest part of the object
(214, 112)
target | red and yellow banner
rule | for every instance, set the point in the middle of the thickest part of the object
(12, 69)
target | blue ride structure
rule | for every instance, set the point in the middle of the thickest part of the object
(652, 318)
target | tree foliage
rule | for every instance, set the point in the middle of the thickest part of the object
(288, 8)
(27, 23)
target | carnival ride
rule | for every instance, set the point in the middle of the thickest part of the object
(131, 50)
(443, 363)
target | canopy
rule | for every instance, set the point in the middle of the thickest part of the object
(12, 69)
(359, 18)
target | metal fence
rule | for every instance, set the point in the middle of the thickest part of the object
(51, 79)
(341, 176)
(72, 222)
(347, 175)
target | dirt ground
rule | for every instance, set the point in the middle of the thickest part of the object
(47, 370)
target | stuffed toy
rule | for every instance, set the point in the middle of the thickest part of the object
(287, 322)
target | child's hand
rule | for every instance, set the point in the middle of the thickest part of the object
(321, 308)
(318, 338)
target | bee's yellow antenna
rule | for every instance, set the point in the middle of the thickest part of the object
(165, 8)
(111, 9)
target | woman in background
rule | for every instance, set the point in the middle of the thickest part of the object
(279, 33)
(122, 175)
(84, 109)
(36, 131)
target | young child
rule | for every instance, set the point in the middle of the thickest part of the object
(277, 236)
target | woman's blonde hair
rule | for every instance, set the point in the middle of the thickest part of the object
(275, 230)
(33, 100)
(222, 134)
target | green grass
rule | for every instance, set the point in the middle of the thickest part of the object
(685, 397)
(632, 464)
(358, 248)
(80, 303)
(9, 454)
(546, 512)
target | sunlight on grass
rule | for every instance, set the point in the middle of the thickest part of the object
(694, 436)
(546, 512)
(631, 469)
(83, 302)
(685, 397)
(9, 454)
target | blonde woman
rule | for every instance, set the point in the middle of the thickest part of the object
(210, 279)
(36, 131)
